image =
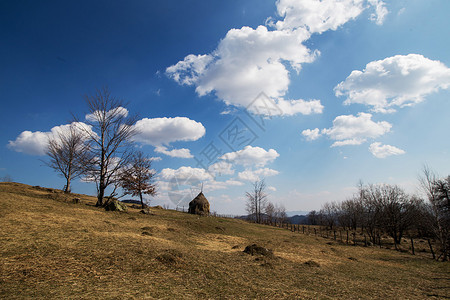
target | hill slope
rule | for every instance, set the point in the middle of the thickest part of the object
(52, 248)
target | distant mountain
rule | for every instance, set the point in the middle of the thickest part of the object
(297, 212)
(131, 201)
(297, 219)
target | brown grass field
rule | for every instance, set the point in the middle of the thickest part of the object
(52, 248)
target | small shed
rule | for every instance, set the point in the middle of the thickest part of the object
(199, 205)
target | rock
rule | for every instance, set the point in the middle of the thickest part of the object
(255, 249)
(115, 205)
(145, 211)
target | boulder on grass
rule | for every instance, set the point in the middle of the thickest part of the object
(258, 250)
(116, 205)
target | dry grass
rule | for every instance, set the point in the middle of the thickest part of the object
(52, 248)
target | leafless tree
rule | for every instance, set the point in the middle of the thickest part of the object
(137, 179)
(313, 217)
(110, 140)
(270, 211)
(67, 152)
(257, 200)
(280, 213)
(438, 191)
(6, 178)
(329, 214)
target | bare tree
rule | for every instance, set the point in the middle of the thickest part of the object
(313, 217)
(270, 211)
(137, 179)
(110, 140)
(6, 178)
(256, 200)
(329, 214)
(280, 213)
(438, 191)
(67, 152)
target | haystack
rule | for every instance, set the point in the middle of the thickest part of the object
(199, 205)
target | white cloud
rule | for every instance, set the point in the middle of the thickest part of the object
(119, 111)
(250, 61)
(311, 134)
(355, 130)
(188, 70)
(247, 62)
(250, 175)
(317, 16)
(220, 185)
(162, 131)
(251, 156)
(380, 11)
(35, 143)
(180, 153)
(185, 175)
(383, 151)
(398, 81)
(221, 168)
(272, 188)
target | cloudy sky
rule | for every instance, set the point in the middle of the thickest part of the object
(311, 95)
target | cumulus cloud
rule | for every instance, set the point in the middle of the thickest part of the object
(355, 130)
(247, 62)
(254, 175)
(398, 81)
(380, 11)
(221, 168)
(317, 16)
(251, 156)
(383, 151)
(160, 132)
(185, 175)
(119, 111)
(311, 134)
(180, 153)
(35, 143)
(188, 70)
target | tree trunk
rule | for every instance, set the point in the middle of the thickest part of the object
(67, 189)
(101, 192)
(142, 201)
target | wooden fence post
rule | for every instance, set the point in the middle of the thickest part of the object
(354, 239)
(315, 233)
(303, 229)
(347, 237)
(412, 246)
(335, 235)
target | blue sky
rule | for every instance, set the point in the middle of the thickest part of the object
(357, 90)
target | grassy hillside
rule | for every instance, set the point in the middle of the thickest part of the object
(52, 248)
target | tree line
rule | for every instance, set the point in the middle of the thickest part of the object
(387, 209)
(100, 149)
